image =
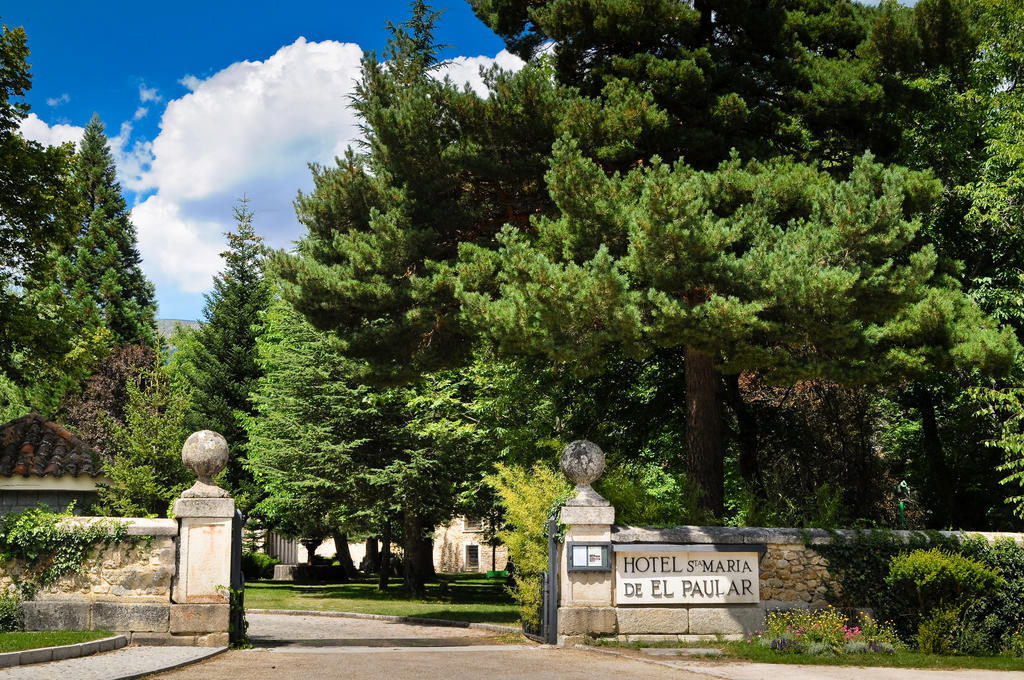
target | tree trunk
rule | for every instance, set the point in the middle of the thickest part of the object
(384, 567)
(413, 564)
(343, 554)
(705, 450)
(371, 561)
(935, 457)
(746, 424)
(311, 544)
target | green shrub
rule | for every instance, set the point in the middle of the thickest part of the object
(258, 565)
(529, 497)
(936, 632)
(940, 579)
(10, 612)
(1014, 645)
(997, 612)
(646, 494)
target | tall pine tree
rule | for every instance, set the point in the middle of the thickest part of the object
(104, 262)
(219, 360)
(643, 234)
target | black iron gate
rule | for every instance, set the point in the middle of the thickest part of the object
(546, 630)
(237, 624)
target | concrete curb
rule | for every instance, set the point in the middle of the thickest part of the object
(45, 654)
(214, 651)
(397, 619)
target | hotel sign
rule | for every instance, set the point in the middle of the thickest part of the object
(687, 574)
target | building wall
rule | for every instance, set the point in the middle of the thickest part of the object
(450, 548)
(57, 501)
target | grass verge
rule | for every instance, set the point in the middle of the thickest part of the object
(20, 641)
(462, 598)
(901, 659)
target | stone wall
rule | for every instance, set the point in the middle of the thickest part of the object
(127, 587)
(792, 574)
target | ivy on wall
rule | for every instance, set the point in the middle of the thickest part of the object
(48, 546)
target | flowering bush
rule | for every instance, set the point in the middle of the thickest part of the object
(824, 632)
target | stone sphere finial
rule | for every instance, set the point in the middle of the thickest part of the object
(205, 454)
(583, 463)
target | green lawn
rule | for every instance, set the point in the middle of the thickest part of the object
(901, 659)
(468, 598)
(17, 642)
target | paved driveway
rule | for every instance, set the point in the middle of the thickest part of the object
(314, 648)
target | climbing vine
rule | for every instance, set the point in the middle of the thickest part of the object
(48, 546)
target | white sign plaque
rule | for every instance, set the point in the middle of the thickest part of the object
(666, 574)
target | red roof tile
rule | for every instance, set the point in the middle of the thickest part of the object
(32, 445)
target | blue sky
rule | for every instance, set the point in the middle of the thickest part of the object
(207, 101)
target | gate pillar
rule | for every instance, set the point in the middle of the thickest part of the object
(585, 571)
(202, 587)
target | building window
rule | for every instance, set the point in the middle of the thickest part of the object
(472, 524)
(472, 558)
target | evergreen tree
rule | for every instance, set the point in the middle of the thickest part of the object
(769, 267)
(309, 432)
(104, 263)
(34, 203)
(219, 360)
(146, 470)
(383, 225)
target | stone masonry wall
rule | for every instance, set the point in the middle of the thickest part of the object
(137, 572)
(127, 588)
(792, 574)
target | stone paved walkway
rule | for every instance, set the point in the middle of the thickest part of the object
(129, 662)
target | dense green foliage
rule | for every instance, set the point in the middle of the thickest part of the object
(860, 568)
(33, 200)
(701, 188)
(104, 265)
(934, 579)
(257, 565)
(10, 612)
(530, 498)
(146, 470)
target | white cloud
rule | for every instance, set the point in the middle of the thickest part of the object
(467, 69)
(57, 101)
(132, 158)
(251, 128)
(253, 119)
(148, 94)
(32, 127)
(178, 251)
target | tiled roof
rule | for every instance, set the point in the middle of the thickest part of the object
(34, 446)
